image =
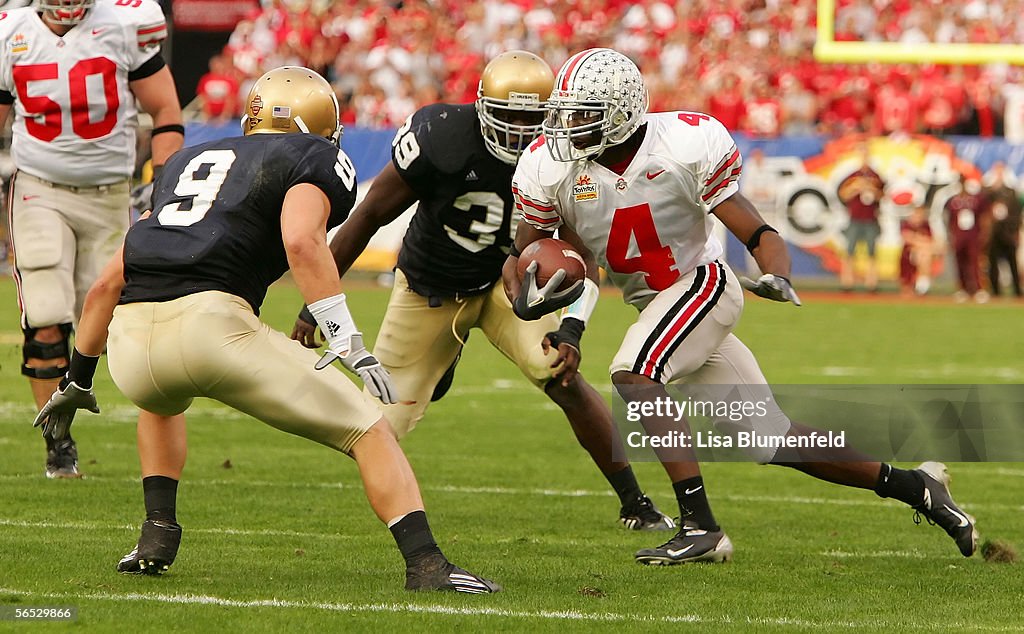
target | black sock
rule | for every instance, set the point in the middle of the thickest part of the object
(625, 485)
(161, 494)
(693, 503)
(904, 485)
(412, 534)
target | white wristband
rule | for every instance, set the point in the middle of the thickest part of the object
(583, 307)
(331, 314)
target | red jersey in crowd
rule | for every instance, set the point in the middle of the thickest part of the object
(727, 105)
(763, 117)
(863, 200)
(963, 217)
(219, 93)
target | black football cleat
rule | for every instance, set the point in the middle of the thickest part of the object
(939, 508)
(691, 543)
(155, 551)
(442, 575)
(642, 515)
(61, 458)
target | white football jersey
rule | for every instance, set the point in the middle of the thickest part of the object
(75, 117)
(651, 225)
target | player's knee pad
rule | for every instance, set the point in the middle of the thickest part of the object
(42, 255)
(33, 349)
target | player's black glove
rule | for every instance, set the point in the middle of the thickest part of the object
(533, 303)
(59, 412)
(773, 287)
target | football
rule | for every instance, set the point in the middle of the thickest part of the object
(552, 254)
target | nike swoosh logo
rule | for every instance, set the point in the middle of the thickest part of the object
(676, 553)
(963, 520)
(653, 175)
(692, 491)
(97, 31)
(28, 197)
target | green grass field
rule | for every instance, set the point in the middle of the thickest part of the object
(278, 535)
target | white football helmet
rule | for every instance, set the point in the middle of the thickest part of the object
(510, 102)
(66, 12)
(599, 100)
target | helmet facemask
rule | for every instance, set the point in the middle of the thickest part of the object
(510, 102)
(510, 125)
(603, 105)
(575, 130)
(65, 12)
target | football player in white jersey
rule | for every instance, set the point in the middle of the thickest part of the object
(74, 72)
(636, 190)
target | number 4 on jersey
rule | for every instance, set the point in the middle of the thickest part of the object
(693, 118)
(636, 225)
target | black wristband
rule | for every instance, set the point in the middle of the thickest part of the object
(82, 368)
(514, 251)
(755, 240)
(306, 316)
(170, 127)
(569, 332)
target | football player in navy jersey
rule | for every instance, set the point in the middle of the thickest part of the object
(230, 217)
(457, 162)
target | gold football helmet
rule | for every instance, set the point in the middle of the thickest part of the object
(510, 102)
(292, 99)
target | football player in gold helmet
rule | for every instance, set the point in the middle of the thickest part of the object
(510, 102)
(456, 163)
(230, 217)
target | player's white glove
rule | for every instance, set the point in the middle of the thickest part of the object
(533, 303)
(773, 287)
(142, 197)
(59, 412)
(359, 361)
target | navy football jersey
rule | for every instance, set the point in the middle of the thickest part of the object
(460, 235)
(216, 223)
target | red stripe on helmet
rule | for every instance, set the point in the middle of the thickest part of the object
(570, 67)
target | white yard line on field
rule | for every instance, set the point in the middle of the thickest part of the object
(373, 536)
(876, 554)
(134, 527)
(444, 610)
(499, 490)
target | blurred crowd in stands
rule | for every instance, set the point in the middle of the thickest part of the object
(747, 62)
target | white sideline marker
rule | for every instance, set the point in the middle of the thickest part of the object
(558, 615)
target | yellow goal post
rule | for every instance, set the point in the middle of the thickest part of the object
(827, 49)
